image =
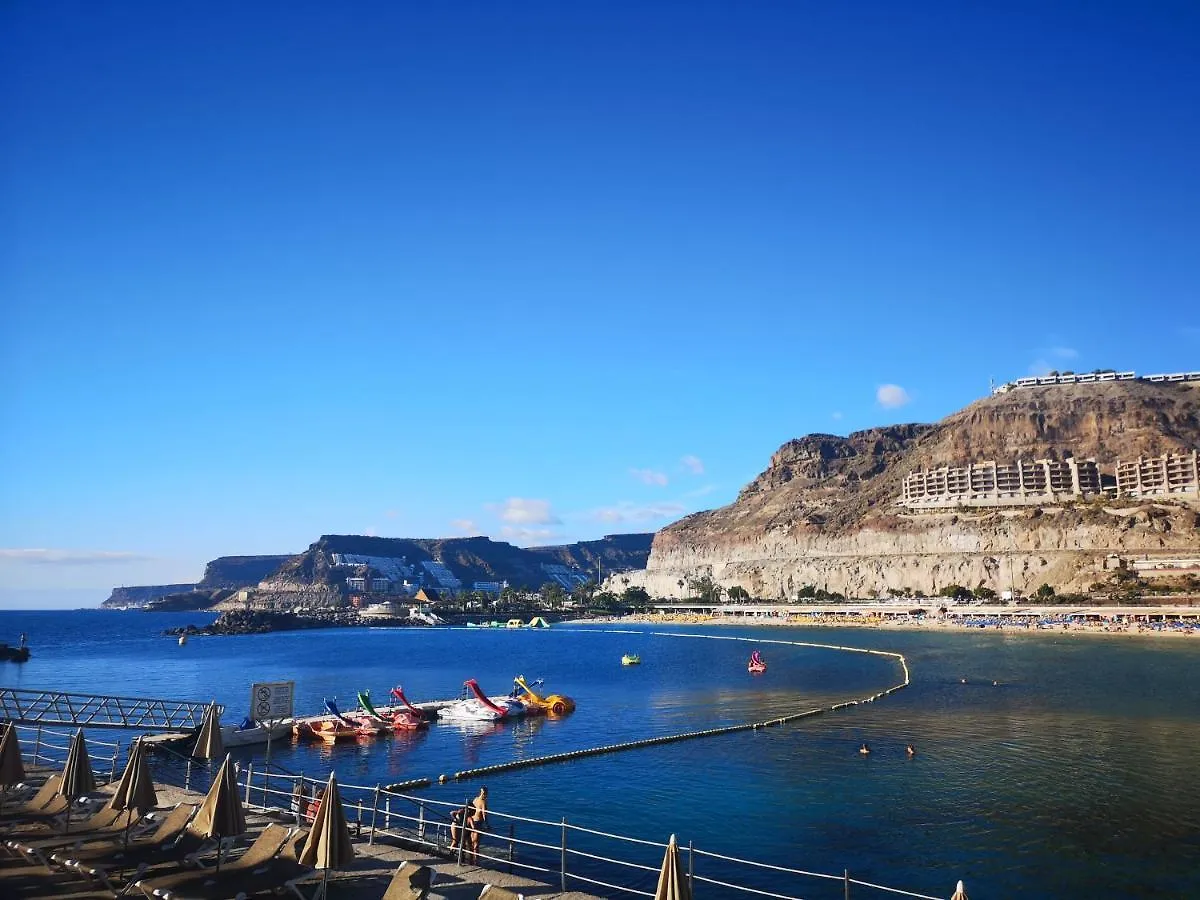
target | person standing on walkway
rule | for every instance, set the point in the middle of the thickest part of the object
(458, 825)
(476, 823)
(479, 804)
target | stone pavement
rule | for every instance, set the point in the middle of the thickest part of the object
(365, 879)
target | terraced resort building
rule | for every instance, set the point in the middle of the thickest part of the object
(1169, 475)
(1032, 482)
(990, 483)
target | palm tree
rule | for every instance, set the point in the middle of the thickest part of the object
(680, 583)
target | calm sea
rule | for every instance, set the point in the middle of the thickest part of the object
(1077, 776)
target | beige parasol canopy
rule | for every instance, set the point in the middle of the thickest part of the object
(328, 845)
(12, 770)
(77, 777)
(673, 882)
(960, 892)
(208, 741)
(221, 814)
(135, 790)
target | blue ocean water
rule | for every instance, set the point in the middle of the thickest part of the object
(1075, 776)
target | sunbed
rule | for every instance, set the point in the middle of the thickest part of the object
(265, 846)
(106, 823)
(279, 874)
(409, 882)
(167, 859)
(495, 892)
(37, 806)
(168, 830)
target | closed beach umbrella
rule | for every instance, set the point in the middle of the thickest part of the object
(672, 880)
(221, 814)
(77, 777)
(12, 771)
(135, 790)
(208, 741)
(960, 892)
(328, 845)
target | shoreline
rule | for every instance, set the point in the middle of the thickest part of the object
(926, 625)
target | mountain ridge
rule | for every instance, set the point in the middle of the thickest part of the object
(469, 559)
(824, 512)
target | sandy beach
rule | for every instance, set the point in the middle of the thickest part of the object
(988, 623)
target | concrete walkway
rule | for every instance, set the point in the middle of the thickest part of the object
(365, 879)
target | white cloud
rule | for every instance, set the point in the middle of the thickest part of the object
(892, 396)
(836, 415)
(632, 512)
(649, 476)
(528, 535)
(40, 557)
(693, 464)
(466, 526)
(521, 511)
(1043, 366)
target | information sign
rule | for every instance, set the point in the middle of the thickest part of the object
(271, 700)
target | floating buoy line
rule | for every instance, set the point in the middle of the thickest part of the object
(687, 735)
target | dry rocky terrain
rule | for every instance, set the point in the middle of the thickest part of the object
(825, 512)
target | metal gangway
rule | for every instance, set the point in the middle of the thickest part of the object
(34, 707)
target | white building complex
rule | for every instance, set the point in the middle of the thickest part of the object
(1024, 482)
(1098, 377)
(1168, 475)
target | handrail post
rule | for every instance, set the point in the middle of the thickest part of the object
(462, 833)
(846, 882)
(691, 868)
(358, 824)
(37, 747)
(116, 752)
(301, 800)
(512, 847)
(563, 872)
(249, 778)
(421, 820)
(374, 816)
(187, 775)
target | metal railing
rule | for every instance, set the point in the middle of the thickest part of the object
(572, 856)
(33, 707)
(41, 746)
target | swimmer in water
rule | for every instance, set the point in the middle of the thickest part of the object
(911, 751)
(864, 749)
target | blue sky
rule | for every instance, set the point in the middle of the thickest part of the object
(546, 271)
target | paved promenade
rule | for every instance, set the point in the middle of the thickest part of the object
(366, 878)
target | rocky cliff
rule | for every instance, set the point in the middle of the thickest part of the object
(233, 572)
(130, 597)
(310, 579)
(467, 559)
(225, 573)
(824, 511)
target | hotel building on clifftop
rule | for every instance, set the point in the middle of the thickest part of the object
(1029, 483)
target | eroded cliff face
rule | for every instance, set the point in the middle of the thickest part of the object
(824, 511)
